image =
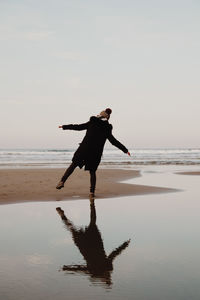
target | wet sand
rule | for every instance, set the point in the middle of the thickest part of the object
(23, 185)
(189, 173)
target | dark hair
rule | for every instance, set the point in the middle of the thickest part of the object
(108, 111)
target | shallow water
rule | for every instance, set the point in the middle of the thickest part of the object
(158, 235)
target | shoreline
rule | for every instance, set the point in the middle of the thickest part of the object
(191, 173)
(33, 185)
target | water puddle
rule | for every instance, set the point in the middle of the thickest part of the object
(142, 247)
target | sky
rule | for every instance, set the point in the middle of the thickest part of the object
(63, 61)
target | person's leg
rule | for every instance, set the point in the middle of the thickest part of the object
(92, 181)
(69, 225)
(67, 173)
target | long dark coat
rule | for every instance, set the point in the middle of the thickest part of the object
(91, 148)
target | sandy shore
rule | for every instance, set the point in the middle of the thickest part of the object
(39, 185)
(189, 173)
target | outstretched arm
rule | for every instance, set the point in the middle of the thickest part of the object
(75, 126)
(117, 144)
(118, 250)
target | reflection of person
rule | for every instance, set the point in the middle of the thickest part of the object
(91, 148)
(90, 244)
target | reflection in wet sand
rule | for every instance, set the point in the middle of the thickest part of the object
(99, 266)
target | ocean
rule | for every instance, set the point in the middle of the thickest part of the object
(60, 158)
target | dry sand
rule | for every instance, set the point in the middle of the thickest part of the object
(23, 185)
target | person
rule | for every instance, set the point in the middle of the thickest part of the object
(89, 241)
(89, 153)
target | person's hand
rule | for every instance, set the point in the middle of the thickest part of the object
(60, 126)
(128, 153)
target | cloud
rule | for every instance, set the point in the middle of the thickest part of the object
(62, 241)
(8, 33)
(37, 35)
(73, 82)
(9, 100)
(69, 55)
(38, 259)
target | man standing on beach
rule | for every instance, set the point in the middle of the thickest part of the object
(91, 148)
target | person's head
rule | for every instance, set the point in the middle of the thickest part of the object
(105, 113)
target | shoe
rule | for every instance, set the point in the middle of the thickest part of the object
(60, 185)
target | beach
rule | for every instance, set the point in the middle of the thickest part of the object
(23, 185)
(145, 217)
(148, 218)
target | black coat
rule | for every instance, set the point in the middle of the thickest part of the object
(91, 148)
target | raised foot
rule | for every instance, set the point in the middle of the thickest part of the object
(60, 185)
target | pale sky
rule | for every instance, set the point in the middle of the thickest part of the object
(62, 61)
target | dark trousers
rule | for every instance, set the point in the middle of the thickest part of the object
(71, 169)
